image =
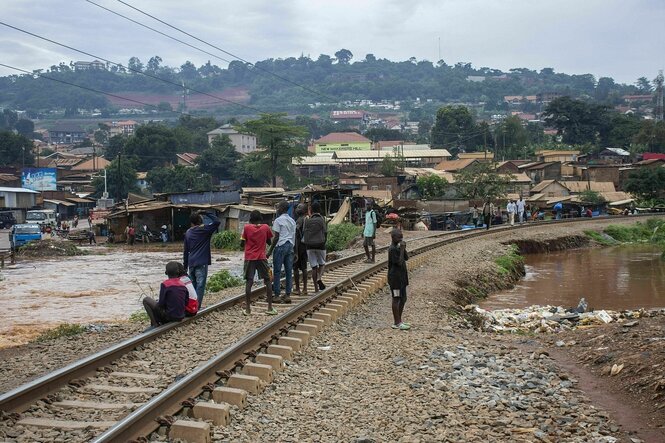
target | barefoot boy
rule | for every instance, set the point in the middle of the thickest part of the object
(398, 277)
(255, 237)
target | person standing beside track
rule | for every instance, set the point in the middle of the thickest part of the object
(315, 234)
(284, 229)
(511, 208)
(398, 278)
(488, 212)
(369, 233)
(255, 237)
(196, 254)
(300, 251)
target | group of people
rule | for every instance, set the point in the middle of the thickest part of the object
(517, 210)
(293, 243)
(143, 234)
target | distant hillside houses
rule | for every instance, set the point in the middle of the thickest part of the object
(89, 66)
(242, 142)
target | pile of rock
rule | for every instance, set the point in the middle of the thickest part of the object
(549, 319)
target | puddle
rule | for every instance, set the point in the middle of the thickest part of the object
(616, 278)
(40, 294)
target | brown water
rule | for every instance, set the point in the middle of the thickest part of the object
(616, 278)
(40, 294)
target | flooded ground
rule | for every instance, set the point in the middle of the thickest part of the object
(616, 278)
(104, 286)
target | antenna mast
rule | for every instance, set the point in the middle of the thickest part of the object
(658, 111)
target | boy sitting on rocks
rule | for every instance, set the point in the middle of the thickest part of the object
(172, 298)
(398, 278)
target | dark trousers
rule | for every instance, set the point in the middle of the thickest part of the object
(155, 312)
(487, 219)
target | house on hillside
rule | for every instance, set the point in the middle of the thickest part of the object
(482, 156)
(94, 65)
(539, 171)
(342, 141)
(549, 155)
(123, 127)
(243, 143)
(614, 155)
(456, 165)
(187, 159)
(66, 133)
(510, 166)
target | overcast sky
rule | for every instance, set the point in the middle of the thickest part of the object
(622, 39)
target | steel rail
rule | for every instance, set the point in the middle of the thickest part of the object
(141, 422)
(21, 397)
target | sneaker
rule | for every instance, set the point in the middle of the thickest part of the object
(395, 326)
(286, 299)
(273, 311)
(321, 285)
(404, 327)
(245, 312)
(296, 292)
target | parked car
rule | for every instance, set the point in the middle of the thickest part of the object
(22, 234)
(7, 220)
(43, 217)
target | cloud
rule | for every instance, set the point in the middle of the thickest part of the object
(603, 37)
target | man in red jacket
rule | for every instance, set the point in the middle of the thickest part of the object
(172, 298)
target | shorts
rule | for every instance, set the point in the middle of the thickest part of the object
(316, 257)
(369, 241)
(256, 266)
(398, 293)
(301, 261)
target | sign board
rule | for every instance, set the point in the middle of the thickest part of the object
(39, 179)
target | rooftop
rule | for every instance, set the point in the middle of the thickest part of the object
(342, 137)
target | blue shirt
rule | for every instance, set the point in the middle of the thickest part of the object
(197, 243)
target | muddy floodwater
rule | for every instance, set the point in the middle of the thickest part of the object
(40, 294)
(616, 278)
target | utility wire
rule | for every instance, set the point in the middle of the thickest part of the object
(137, 71)
(306, 88)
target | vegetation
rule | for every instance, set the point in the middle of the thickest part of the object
(341, 235)
(651, 231)
(220, 158)
(227, 240)
(222, 280)
(432, 186)
(591, 197)
(120, 179)
(605, 239)
(139, 316)
(178, 178)
(511, 262)
(15, 149)
(63, 330)
(480, 181)
(647, 184)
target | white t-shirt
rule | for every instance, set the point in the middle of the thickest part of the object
(510, 208)
(520, 206)
(285, 226)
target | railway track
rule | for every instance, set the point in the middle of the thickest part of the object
(117, 394)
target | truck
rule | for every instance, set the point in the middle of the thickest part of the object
(24, 233)
(43, 217)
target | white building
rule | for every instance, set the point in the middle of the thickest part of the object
(244, 143)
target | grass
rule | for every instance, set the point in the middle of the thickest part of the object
(64, 330)
(139, 317)
(650, 231)
(222, 280)
(510, 262)
(339, 236)
(600, 238)
(226, 240)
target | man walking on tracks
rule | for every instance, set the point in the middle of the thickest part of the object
(284, 229)
(369, 233)
(300, 251)
(511, 208)
(488, 212)
(398, 278)
(521, 206)
(315, 234)
(196, 254)
(255, 237)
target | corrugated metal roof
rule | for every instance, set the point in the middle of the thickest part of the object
(342, 137)
(379, 155)
(18, 190)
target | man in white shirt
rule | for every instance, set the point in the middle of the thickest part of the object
(520, 210)
(284, 229)
(510, 209)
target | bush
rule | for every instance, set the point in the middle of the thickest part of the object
(228, 240)
(653, 230)
(510, 263)
(339, 236)
(64, 330)
(222, 280)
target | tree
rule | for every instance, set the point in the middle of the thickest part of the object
(8, 119)
(379, 134)
(343, 56)
(577, 121)
(164, 107)
(153, 64)
(178, 178)
(591, 197)
(452, 127)
(152, 145)
(646, 183)
(188, 71)
(388, 166)
(120, 179)
(652, 134)
(15, 150)
(282, 141)
(135, 65)
(432, 186)
(480, 181)
(220, 159)
(25, 127)
(511, 136)
(644, 85)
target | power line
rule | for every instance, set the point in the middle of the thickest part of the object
(126, 67)
(306, 88)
